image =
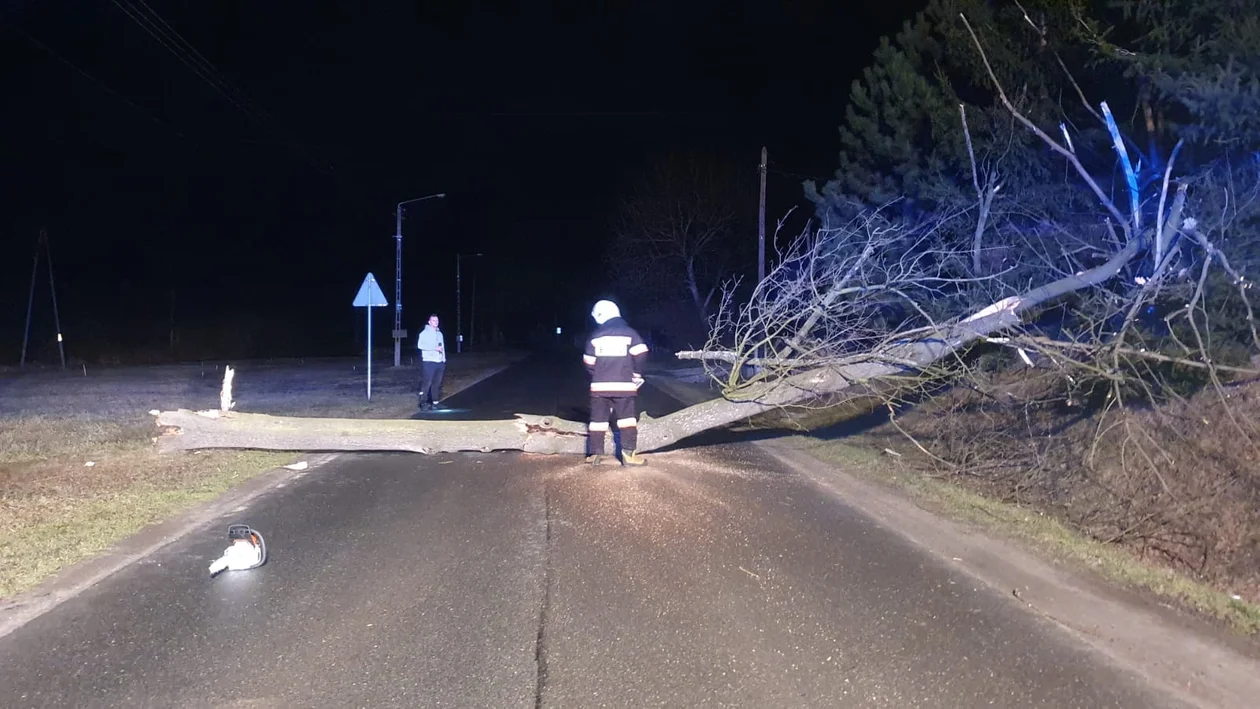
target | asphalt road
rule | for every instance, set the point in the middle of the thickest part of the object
(709, 578)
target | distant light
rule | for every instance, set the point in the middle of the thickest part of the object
(59, 337)
(557, 331)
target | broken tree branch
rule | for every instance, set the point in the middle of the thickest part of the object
(984, 196)
(1051, 142)
(225, 394)
(188, 430)
(1130, 176)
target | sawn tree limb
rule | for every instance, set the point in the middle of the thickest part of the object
(187, 430)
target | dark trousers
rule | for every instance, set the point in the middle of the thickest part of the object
(603, 408)
(431, 382)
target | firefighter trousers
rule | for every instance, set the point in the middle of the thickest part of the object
(604, 408)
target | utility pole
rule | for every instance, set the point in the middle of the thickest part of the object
(761, 222)
(30, 301)
(459, 321)
(399, 333)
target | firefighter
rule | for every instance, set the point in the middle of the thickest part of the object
(615, 356)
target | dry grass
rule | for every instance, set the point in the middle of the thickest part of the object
(56, 512)
(29, 439)
(56, 509)
(1060, 514)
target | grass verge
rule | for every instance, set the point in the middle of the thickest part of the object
(1036, 530)
(63, 512)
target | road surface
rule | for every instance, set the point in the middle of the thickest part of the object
(710, 578)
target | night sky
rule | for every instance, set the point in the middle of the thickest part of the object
(245, 207)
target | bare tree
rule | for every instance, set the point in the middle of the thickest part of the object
(818, 312)
(872, 306)
(1132, 424)
(675, 233)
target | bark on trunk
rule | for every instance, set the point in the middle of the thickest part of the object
(190, 430)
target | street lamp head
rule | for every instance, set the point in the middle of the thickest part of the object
(439, 195)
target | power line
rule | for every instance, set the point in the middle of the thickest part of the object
(182, 49)
(165, 44)
(188, 47)
(167, 30)
(100, 84)
(196, 62)
(161, 31)
(174, 130)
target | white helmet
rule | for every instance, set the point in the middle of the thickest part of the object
(604, 311)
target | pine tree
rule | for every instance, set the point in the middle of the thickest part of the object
(903, 136)
(888, 119)
(1197, 61)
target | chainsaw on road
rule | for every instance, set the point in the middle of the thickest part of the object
(247, 550)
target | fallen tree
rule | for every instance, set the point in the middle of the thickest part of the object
(868, 300)
(906, 355)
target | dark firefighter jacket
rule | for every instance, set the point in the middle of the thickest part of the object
(615, 356)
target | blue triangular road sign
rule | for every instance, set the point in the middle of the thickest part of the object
(370, 294)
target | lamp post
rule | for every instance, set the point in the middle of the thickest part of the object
(459, 322)
(399, 332)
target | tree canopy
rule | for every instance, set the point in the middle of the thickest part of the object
(903, 135)
(1009, 129)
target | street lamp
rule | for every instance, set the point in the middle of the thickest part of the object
(399, 332)
(459, 322)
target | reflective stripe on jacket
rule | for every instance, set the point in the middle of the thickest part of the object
(615, 356)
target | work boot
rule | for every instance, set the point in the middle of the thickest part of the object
(594, 459)
(632, 458)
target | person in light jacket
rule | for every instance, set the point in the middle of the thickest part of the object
(432, 346)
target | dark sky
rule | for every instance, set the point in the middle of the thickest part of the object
(254, 199)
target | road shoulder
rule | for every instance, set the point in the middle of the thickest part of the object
(74, 579)
(1173, 649)
(1170, 648)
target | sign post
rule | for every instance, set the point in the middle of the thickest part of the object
(370, 296)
